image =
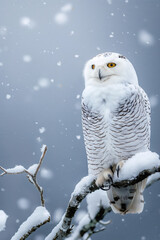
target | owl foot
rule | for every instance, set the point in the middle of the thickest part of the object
(119, 166)
(104, 180)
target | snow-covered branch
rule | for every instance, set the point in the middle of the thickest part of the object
(63, 229)
(141, 166)
(87, 226)
(31, 172)
(132, 172)
(40, 216)
(141, 176)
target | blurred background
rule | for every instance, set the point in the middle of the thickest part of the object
(44, 45)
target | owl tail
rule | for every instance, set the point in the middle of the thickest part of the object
(127, 200)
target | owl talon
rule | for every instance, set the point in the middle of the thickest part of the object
(105, 187)
(110, 178)
(118, 170)
(104, 180)
(119, 166)
(107, 184)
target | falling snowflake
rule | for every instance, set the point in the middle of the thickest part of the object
(57, 215)
(78, 137)
(67, 7)
(42, 130)
(154, 100)
(27, 22)
(27, 58)
(8, 96)
(109, 2)
(23, 203)
(72, 33)
(143, 238)
(39, 139)
(145, 38)
(61, 18)
(111, 35)
(78, 96)
(3, 31)
(35, 88)
(59, 63)
(46, 173)
(43, 82)
(17, 220)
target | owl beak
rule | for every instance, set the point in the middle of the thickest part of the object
(99, 74)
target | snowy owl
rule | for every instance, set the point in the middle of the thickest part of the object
(116, 125)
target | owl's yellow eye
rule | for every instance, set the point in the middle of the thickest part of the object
(111, 65)
(93, 66)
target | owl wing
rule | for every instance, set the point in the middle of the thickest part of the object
(130, 125)
(94, 131)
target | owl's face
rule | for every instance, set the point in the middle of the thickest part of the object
(109, 68)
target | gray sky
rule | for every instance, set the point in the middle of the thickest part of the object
(43, 48)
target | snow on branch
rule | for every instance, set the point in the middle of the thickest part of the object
(40, 216)
(97, 211)
(135, 169)
(98, 206)
(3, 219)
(63, 229)
(31, 172)
(140, 166)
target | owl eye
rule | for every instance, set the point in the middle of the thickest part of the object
(93, 66)
(111, 65)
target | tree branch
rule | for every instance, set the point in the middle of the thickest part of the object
(44, 150)
(40, 216)
(141, 176)
(31, 173)
(87, 185)
(87, 226)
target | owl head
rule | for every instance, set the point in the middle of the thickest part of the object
(109, 68)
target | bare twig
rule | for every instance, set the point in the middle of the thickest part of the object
(31, 175)
(40, 161)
